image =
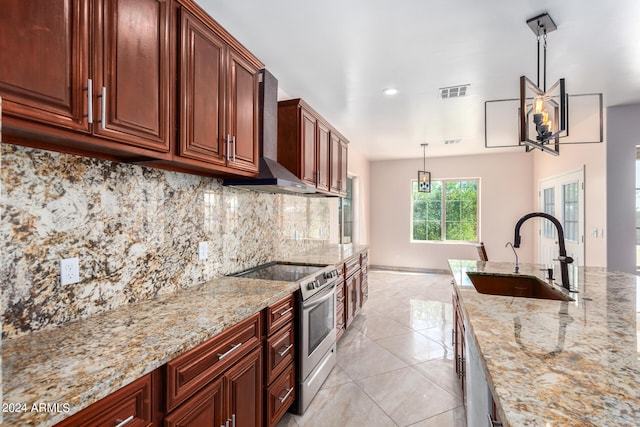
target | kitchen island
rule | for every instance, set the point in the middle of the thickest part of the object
(555, 363)
(74, 365)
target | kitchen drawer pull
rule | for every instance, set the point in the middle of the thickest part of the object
(288, 310)
(286, 350)
(124, 422)
(283, 398)
(89, 101)
(233, 348)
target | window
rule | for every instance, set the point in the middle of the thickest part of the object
(448, 213)
(345, 214)
(548, 229)
(570, 206)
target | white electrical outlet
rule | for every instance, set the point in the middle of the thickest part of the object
(202, 251)
(69, 271)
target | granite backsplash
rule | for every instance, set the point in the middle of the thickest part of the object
(135, 231)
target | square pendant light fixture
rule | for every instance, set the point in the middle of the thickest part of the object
(544, 113)
(424, 177)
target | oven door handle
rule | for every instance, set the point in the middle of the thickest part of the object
(316, 300)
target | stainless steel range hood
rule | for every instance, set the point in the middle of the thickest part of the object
(272, 176)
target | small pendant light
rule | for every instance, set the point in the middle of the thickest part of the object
(424, 177)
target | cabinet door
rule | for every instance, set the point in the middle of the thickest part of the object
(244, 383)
(204, 409)
(344, 151)
(132, 65)
(202, 55)
(308, 160)
(242, 113)
(322, 157)
(43, 61)
(349, 288)
(336, 170)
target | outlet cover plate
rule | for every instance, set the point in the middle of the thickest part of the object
(202, 251)
(69, 271)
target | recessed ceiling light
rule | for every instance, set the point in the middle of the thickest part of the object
(390, 91)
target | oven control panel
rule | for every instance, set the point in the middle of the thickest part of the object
(319, 281)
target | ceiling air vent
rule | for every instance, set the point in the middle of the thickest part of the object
(452, 141)
(454, 91)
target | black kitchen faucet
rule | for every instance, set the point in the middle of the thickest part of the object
(563, 258)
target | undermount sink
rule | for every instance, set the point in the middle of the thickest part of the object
(515, 286)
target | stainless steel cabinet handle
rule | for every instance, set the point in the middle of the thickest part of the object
(341, 326)
(124, 422)
(341, 299)
(103, 102)
(233, 348)
(286, 350)
(233, 420)
(288, 310)
(283, 398)
(227, 139)
(89, 101)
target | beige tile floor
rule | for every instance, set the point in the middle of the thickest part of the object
(395, 362)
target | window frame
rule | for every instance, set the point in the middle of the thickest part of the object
(443, 219)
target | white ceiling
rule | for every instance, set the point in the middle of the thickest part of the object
(339, 55)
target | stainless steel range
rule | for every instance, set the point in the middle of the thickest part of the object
(315, 322)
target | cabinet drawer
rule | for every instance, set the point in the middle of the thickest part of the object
(279, 313)
(351, 266)
(188, 373)
(341, 322)
(280, 396)
(280, 351)
(132, 402)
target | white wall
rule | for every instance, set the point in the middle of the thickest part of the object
(623, 134)
(572, 158)
(506, 181)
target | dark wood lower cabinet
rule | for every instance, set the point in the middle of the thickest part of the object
(132, 402)
(204, 409)
(236, 398)
(280, 395)
(244, 391)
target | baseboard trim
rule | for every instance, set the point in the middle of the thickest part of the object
(408, 269)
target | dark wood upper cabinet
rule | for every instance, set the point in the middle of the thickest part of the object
(218, 97)
(242, 111)
(322, 157)
(202, 57)
(308, 160)
(44, 61)
(338, 154)
(80, 65)
(305, 147)
(158, 82)
(132, 72)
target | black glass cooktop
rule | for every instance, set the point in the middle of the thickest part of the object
(278, 271)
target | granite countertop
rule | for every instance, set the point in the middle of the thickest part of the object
(77, 364)
(554, 363)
